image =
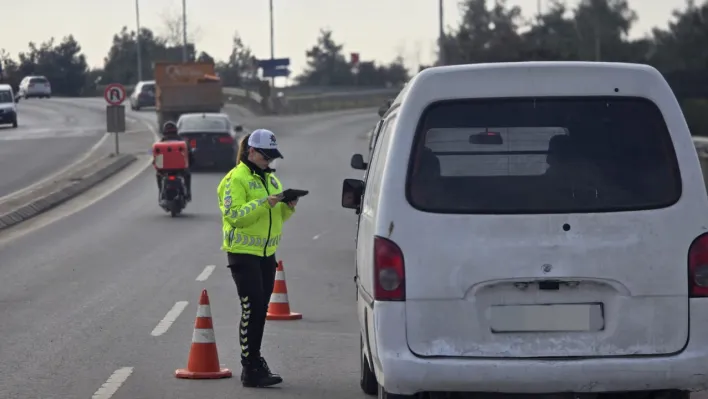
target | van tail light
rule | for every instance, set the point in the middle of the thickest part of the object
(698, 267)
(389, 271)
(226, 140)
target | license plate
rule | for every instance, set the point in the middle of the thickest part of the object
(547, 318)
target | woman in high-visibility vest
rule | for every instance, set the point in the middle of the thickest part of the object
(252, 216)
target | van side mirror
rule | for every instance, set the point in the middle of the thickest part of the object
(17, 100)
(352, 191)
(238, 129)
(385, 107)
(357, 162)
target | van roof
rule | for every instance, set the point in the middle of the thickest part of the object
(4, 86)
(534, 78)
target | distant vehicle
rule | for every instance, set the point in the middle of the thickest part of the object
(143, 95)
(35, 87)
(184, 88)
(210, 137)
(8, 108)
(545, 238)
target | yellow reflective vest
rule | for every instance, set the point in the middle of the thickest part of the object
(250, 225)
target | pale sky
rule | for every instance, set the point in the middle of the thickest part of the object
(378, 29)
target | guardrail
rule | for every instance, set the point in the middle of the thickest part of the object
(701, 144)
(300, 101)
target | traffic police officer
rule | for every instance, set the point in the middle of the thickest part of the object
(252, 218)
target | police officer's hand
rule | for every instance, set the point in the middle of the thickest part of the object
(292, 203)
(274, 199)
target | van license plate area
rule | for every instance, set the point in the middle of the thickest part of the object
(547, 318)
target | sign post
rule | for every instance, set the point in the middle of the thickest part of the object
(115, 95)
(354, 61)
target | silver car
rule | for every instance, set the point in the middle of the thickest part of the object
(35, 86)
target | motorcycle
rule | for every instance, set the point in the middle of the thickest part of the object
(173, 194)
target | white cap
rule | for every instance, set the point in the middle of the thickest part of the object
(264, 141)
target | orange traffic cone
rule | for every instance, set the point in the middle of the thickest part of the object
(203, 362)
(279, 307)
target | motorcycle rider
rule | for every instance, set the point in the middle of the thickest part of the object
(169, 133)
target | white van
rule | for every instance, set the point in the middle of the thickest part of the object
(532, 228)
(8, 108)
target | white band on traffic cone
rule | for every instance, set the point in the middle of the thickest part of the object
(203, 336)
(279, 298)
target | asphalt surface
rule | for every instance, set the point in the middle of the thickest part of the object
(80, 297)
(51, 135)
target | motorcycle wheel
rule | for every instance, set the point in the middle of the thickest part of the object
(175, 208)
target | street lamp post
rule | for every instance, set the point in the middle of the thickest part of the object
(184, 30)
(137, 41)
(272, 40)
(442, 32)
(272, 32)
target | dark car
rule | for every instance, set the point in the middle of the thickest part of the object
(210, 137)
(143, 95)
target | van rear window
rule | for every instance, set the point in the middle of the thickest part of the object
(543, 155)
(38, 80)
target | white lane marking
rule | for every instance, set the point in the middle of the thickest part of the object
(169, 318)
(70, 208)
(110, 387)
(81, 159)
(53, 176)
(206, 273)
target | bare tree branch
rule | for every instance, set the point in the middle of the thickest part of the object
(172, 29)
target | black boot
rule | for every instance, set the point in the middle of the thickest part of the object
(257, 374)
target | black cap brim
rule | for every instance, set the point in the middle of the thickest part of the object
(270, 153)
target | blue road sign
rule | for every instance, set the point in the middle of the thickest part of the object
(275, 67)
(274, 63)
(274, 73)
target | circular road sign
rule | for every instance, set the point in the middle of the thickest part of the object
(114, 94)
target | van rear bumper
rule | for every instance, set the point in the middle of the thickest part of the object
(401, 372)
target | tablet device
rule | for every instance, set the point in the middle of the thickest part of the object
(293, 194)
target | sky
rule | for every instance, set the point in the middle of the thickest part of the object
(379, 30)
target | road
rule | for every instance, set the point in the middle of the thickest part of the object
(81, 296)
(50, 136)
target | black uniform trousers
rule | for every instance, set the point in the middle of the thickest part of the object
(254, 277)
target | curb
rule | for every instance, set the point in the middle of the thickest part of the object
(65, 193)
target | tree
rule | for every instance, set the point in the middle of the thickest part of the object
(10, 69)
(684, 45)
(62, 63)
(326, 66)
(205, 57)
(603, 26)
(485, 35)
(173, 28)
(240, 67)
(121, 63)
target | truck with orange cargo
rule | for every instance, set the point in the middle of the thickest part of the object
(186, 87)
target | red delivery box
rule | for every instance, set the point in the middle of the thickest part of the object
(170, 155)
